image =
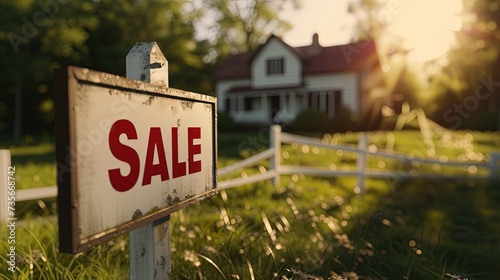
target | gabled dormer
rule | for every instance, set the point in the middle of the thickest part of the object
(276, 64)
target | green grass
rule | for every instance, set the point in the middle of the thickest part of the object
(38, 257)
(319, 228)
(308, 227)
(34, 162)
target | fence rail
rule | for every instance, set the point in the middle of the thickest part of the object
(361, 171)
(273, 153)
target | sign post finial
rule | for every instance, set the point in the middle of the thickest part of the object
(146, 62)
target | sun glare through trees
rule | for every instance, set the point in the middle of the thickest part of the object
(426, 27)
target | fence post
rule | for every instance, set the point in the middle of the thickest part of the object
(4, 186)
(494, 166)
(275, 143)
(149, 245)
(361, 164)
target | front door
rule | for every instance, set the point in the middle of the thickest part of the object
(275, 106)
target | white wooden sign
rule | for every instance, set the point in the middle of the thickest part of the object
(128, 154)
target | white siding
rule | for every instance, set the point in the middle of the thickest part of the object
(345, 82)
(275, 49)
(258, 115)
(221, 88)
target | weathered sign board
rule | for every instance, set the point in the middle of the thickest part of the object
(128, 153)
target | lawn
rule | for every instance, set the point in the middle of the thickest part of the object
(307, 228)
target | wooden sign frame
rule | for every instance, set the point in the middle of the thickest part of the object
(68, 82)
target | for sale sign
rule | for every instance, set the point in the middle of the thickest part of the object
(128, 153)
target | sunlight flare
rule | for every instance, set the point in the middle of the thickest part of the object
(426, 27)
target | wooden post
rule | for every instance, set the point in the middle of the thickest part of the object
(275, 142)
(4, 187)
(362, 151)
(149, 245)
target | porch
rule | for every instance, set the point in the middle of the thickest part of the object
(279, 106)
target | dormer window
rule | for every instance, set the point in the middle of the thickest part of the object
(276, 66)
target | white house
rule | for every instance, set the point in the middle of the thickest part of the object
(276, 82)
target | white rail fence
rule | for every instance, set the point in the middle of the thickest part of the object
(489, 170)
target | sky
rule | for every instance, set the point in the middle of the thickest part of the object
(328, 18)
(425, 26)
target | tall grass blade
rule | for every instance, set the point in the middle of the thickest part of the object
(213, 264)
(268, 227)
(250, 270)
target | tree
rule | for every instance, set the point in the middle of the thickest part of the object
(43, 35)
(29, 28)
(467, 88)
(372, 17)
(461, 90)
(240, 26)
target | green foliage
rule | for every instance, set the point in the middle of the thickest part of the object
(342, 122)
(39, 36)
(457, 91)
(310, 120)
(225, 122)
(482, 121)
(243, 25)
(313, 120)
(464, 91)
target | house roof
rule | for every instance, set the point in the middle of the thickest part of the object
(316, 59)
(235, 66)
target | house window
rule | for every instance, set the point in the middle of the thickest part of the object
(333, 102)
(251, 103)
(276, 66)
